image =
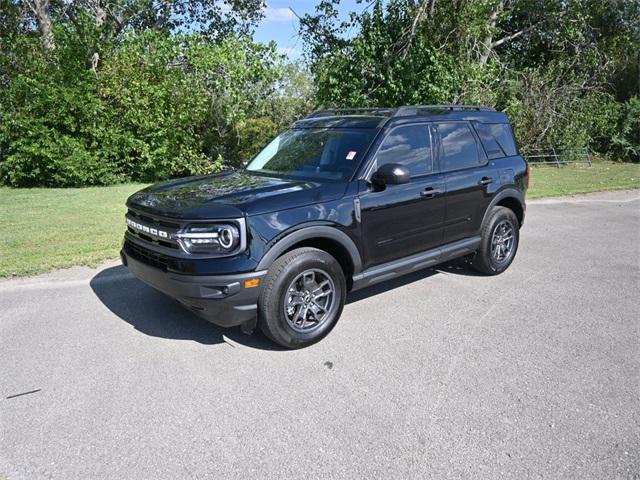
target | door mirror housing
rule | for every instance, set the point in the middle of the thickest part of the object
(391, 174)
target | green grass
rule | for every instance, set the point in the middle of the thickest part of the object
(48, 228)
(551, 181)
(44, 229)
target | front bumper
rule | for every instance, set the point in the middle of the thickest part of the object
(220, 299)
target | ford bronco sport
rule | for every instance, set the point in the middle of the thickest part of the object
(340, 201)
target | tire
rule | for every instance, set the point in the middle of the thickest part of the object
(291, 286)
(495, 254)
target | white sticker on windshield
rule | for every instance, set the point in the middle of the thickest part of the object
(351, 155)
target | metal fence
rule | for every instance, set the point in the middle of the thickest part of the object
(557, 157)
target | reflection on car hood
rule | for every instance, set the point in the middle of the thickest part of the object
(230, 195)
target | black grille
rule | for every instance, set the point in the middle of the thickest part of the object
(147, 256)
(153, 221)
(159, 223)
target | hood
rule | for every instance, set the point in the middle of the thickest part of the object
(231, 195)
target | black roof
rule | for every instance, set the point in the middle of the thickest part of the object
(379, 117)
(342, 121)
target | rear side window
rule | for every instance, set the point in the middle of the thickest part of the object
(458, 147)
(497, 139)
(409, 146)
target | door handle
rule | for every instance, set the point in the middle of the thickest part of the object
(430, 192)
(485, 181)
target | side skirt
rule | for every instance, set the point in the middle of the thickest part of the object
(412, 263)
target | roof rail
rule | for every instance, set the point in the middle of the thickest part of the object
(398, 112)
(416, 109)
(387, 112)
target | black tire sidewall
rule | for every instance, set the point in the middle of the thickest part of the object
(487, 262)
(272, 308)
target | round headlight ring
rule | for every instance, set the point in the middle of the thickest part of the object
(226, 237)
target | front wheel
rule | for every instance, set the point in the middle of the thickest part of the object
(302, 298)
(499, 244)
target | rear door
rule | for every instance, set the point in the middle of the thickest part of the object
(400, 220)
(470, 179)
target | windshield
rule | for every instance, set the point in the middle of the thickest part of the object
(317, 153)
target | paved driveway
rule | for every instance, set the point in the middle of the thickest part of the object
(443, 374)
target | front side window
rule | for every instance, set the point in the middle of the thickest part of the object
(410, 146)
(458, 147)
(315, 153)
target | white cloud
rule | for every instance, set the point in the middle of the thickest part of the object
(276, 14)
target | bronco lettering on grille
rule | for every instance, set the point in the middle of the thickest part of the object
(146, 229)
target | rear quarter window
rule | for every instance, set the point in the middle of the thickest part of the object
(497, 139)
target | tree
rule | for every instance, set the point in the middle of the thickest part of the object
(553, 59)
(40, 10)
(215, 18)
(107, 103)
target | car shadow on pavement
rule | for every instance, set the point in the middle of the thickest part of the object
(458, 267)
(158, 315)
(155, 314)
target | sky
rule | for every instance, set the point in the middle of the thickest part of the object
(281, 25)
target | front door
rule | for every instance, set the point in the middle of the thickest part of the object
(400, 220)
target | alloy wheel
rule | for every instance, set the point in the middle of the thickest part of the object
(502, 241)
(309, 300)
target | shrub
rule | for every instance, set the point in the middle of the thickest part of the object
(626, 141)
(51, 125)
(155, 105)
(549, 108)
(253, 135)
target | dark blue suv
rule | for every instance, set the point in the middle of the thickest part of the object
(342, 200)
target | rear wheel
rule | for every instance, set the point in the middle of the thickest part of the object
(302, 297)
(499, 244)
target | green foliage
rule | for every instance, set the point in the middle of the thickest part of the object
(93, 95)
(50, 121)
(558, 68)
(370, 72)
(238, 81)
(150, 106)
(253, 135)
(548, 109)
(293, 96)
(154, 108)
(626, 140)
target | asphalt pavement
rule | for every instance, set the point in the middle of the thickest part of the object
(443, 374)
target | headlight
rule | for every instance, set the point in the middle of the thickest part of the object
(214, 238)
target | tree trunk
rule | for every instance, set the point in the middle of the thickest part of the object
(101, 15)
(40, 9)
(487, 43)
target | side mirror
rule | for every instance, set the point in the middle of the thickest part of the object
(391, 174)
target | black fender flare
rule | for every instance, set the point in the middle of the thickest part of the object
(508, 192)
(311, 232)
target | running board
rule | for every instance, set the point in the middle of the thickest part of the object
(416, 262)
